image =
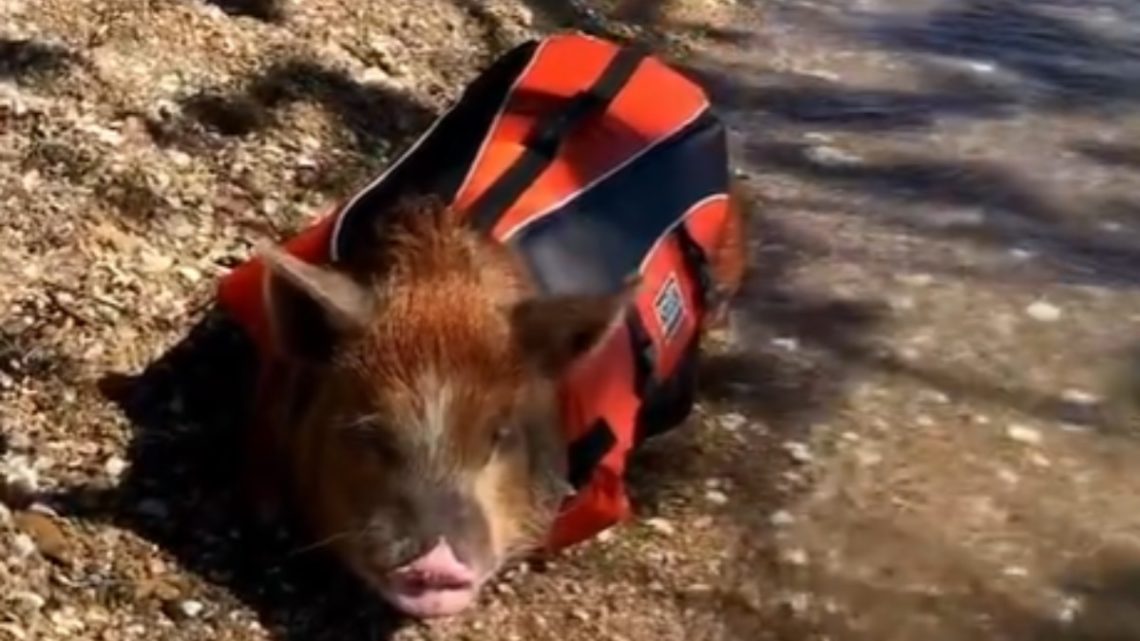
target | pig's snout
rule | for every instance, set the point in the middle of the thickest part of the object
(437, 568)
(436, 584)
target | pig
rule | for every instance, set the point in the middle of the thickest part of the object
(415, 413)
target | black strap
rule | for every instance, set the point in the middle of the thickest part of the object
(544, 141)
(588, 450)
(644, 353)
(698, 263)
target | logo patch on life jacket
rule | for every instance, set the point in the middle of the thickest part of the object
(669, 306)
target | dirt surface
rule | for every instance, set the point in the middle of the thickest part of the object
(922, 426)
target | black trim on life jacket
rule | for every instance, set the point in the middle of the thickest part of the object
(444, 155)
(544, 141)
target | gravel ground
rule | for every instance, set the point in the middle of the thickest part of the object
(922, 426)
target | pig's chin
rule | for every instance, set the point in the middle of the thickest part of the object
(421, 599)
(430, 602)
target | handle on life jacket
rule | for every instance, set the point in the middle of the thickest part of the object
(543, 142)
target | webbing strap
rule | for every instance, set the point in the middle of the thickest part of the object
(588, 450)
(698, 263)
(543, 143)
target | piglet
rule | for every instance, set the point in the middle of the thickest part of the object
(414, 418)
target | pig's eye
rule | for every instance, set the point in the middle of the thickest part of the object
(505, 437)
(369, 437)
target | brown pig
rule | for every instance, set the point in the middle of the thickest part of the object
(415, 410)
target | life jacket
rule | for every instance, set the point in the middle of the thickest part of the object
(593, 161)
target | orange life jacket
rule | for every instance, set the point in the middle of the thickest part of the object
(594, 161)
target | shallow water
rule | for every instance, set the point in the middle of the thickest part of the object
(966, 175)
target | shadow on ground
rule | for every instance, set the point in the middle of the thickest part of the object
(887, 592)
(1115, 155)
(264, 10)
(1063, 63)
(371, 115)
(1013, 213)
(374, 121)
(188, 409)
(29, 59)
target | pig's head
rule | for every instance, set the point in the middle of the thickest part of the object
(423, 429)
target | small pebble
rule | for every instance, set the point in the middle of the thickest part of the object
(578, 614)
(184, 609)
(868, 457)
(27, 601)
(716, 497)
(799, 452)
(115, 466)
(1043, 312)
(781, 518)
(796, 556)
(786, 344)
(45, 534)
(1008, 477)
(732, 421)
(661, 526)
(833, 156)
(917, 280)
(44, 509)
(981, 66)
(19, 482)
(155, 263)
(375, 75)
(1015, 571)
(799, 602)
(959, 218)
(936, 396)
(1079, 397)
(1071, 607)
(23, 546)
(179, 158)
(1023, 434)
(190, 274)
(905, 304)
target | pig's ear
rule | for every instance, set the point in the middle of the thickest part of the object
(554, 331)
(310, 307)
